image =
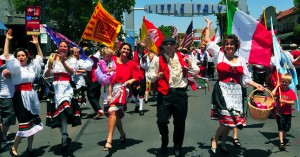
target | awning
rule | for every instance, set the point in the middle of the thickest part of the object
(2, 26)
(3, 29)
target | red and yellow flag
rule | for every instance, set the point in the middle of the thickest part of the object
(151, 36)
(102, 27)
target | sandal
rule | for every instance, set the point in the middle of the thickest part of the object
(286, 142)
(236, 143)
(281, 146)
(106, 148)
(122, 139)
(213, 149)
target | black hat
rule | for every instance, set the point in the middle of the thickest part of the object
(169, 39)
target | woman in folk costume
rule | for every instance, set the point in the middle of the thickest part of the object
(25, 100)
(78, 77)
(61, 67)
(227, 105)
(126, 73)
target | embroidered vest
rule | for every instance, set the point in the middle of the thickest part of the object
(163, 83)
(91, 75)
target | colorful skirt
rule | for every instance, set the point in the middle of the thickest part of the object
(227, 108)
(29, 124)
(71, 109)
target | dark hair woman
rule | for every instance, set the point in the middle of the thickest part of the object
(127, 72)
(227, 105)
(25, 100)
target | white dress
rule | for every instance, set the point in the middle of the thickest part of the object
(26, 103)
(62, 88)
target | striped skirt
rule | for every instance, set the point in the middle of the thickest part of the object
(29, 124)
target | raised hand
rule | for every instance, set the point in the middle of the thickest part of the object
(9, 34)
(208, 21)
(35, 39)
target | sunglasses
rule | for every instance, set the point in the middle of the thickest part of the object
(168, 43)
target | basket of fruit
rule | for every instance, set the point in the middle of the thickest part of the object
(260, 106)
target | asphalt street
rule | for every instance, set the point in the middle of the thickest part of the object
(258, 138)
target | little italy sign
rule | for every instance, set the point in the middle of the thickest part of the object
(185, 9)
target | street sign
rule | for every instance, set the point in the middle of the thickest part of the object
(44, 38)
(33, 20)
(184, 9)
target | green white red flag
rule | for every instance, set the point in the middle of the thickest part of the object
(255, 39)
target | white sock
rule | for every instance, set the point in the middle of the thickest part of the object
(141, 103)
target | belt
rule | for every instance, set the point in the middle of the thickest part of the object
(176, 89)
(23, 87)
(61, 77)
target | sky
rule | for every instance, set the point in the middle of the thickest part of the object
(254, 7)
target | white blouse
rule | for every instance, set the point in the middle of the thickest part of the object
(219, 57)
(62, 89)
(26, 74)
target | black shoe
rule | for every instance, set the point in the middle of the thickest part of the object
(66, 143)
(286, 142)
(178, 153)
(30, 153)
(164, 149)
(224, 150)
(136, 109)
(141, 113)
(122, 139)
(12, 154)
(236, 143)
(281, 146)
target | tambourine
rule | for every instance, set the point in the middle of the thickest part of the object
(52, 57)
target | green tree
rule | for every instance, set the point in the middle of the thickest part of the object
(297, 30)
(222, 17)
(297, 3)
(166, 30)
(72, 16)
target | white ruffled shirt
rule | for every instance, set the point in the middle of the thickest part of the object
(26, 74)
(62, 89)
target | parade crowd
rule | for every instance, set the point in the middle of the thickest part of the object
(134, 74)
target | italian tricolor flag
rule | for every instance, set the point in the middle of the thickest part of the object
(255, 39)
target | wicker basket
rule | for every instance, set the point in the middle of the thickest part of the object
(257, 113)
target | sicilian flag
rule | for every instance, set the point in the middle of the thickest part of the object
(255, 39)
(151, 36)
(57, 38)
(102, 27)
(284, 65)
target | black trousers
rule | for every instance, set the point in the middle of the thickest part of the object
(93, 95)
(211, 69)
(259, 78)
(141, 90)
(175, 104)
